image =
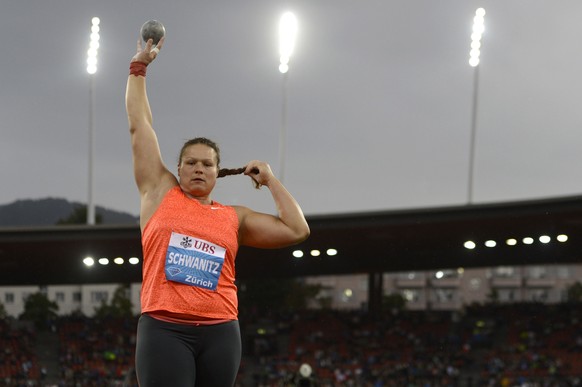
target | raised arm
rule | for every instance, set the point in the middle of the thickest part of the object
(261, 230)
(151, 175)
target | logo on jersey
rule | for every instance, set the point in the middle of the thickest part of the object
(194, 261)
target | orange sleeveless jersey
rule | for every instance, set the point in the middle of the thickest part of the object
(215, 224)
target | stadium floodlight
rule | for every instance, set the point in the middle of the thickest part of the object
(475, 53)
(298, 254)
(287, 35)
(92, 69)
(93, 46)
(476, 35)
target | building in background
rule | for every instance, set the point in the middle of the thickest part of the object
(70, 298)
(424, 290)
(453, 289)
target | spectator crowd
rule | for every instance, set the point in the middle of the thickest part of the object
(524, 345)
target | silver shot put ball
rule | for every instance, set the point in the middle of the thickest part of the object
(152, 29)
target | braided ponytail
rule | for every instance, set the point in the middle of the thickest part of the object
(230, 172)
(238, 171)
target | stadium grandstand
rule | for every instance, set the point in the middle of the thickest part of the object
(481, 295)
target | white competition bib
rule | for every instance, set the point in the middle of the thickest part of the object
(193, 261)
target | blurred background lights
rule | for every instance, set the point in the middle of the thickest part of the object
(490, 243)
(104, 261)
(562, 238)
(134, 260)
(331, 252)
(89, 261)
(118, 261)
(315, 253)
(513, 242)
(439, 274)
(298, 253)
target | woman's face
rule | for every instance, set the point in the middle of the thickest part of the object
(198, 170)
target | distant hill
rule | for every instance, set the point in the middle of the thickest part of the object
(47, 212)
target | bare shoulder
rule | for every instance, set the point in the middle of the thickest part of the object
(241, 212)
(152, 198)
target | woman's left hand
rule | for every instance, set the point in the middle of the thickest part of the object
(260, 172)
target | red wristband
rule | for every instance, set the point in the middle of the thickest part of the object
(137, 68)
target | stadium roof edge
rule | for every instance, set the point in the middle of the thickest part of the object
(379, 241)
